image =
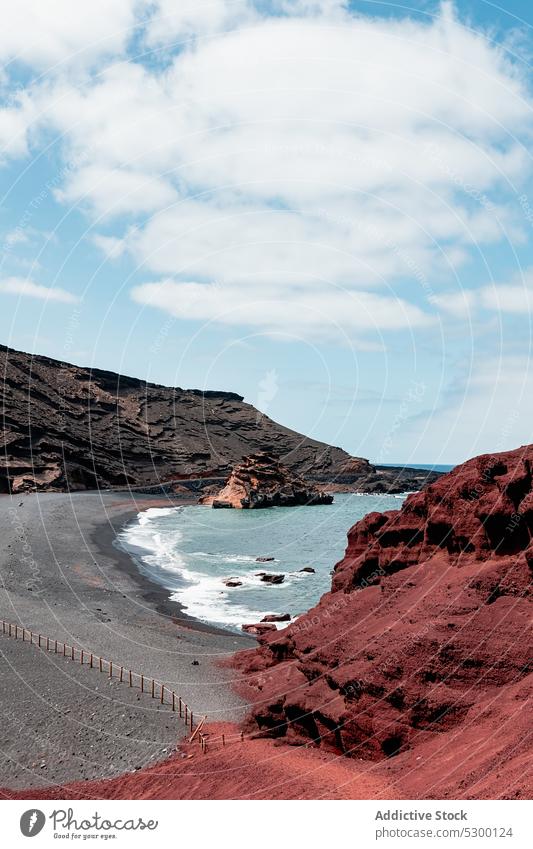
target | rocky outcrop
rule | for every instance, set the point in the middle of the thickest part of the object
(427, 623)
(66, 428)
(260, 481)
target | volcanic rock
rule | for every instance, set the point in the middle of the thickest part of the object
(262, 481)
(277, 617)
(232, 582)
(263, 559)
(259, 628)
(425, 626)
(307, 569)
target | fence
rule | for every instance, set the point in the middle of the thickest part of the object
(164, 694)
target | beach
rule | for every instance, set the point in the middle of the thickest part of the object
(62, 576)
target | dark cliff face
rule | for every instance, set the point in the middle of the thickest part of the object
(76, 428)
(261, 481)
(66, 427)
(426, 629)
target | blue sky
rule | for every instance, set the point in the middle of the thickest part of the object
(324, 207)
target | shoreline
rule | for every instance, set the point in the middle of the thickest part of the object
(106, 537)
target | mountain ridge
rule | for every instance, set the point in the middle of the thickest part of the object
(68, 427)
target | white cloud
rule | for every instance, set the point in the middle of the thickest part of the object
(15, 125)
(117, 191)
(173, 21)
(489, 411)
(28, 289)
(112, 247)
(515, 297)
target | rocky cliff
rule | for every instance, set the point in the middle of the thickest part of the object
(426, 631)
(260, 481)
(67, 427)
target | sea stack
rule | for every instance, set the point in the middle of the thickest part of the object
(260, 480)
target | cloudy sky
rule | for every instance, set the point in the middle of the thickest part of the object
(325, 206)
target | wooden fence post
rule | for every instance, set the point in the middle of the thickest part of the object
(91, 661)
(55, 647)
(142, 683)
(101, 667)
(110, 668)
(180, 705)
(72, 653)
(153, 688)
(121, 672)
(81, 657)
(130, 676)
(48, 644)
(64, 649)
(173, 700)
(162, 693)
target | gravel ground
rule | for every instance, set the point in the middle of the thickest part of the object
(61, 575)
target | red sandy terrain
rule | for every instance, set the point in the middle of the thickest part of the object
(424, 641)
(410, 679)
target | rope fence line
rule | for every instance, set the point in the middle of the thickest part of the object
(164, 694)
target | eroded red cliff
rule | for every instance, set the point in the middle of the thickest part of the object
(261, 481)
(426, 627)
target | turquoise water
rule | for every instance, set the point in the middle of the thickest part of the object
(191, 551)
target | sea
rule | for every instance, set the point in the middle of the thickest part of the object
(192, 550)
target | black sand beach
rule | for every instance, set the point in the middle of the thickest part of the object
(63, 576)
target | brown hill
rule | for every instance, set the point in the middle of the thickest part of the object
(424, 641)
(67, 427)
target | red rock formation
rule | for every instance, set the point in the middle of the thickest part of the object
(262, 481)
(426, 625)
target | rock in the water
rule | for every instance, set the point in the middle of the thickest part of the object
(277, 617)
(262, 481)
(232, 582)
(272, 579)
(307, 569)
(263, 559)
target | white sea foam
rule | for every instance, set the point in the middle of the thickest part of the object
(204, 597)
(191, 553)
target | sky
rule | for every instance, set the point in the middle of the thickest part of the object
(324, 206)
